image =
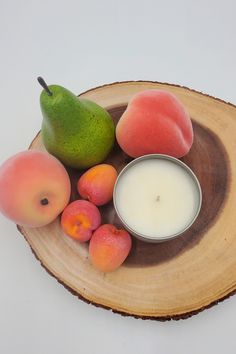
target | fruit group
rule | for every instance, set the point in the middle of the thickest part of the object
(77, 131)
(34, 188)
(109, 247)
(155, 121)
(79, 219)
(97, 184)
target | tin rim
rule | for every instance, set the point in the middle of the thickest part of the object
(157, 238)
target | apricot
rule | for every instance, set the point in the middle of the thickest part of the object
(97, 184)
(79, 219)
(155, 121)
(109, 247)
(34, 188)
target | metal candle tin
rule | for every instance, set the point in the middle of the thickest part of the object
(176, 161)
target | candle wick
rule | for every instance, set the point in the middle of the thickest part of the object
(158, 198)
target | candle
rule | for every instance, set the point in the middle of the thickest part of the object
(157, 197)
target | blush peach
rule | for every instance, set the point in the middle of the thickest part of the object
(34, 188)
(155, 121)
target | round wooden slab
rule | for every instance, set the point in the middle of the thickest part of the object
(173, 279)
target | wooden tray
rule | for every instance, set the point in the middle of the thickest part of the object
(175, 279)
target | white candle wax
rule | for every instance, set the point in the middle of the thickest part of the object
(157, 197)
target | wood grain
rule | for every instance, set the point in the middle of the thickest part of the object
(174, 279)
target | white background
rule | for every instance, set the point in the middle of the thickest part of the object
(81, 44)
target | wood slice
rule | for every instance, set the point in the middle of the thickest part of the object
(174, 279)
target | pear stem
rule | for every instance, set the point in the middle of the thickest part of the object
(44, 85)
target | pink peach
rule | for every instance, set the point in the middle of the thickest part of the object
(97, 184)
(34, 188)
(155, 121)
(109, 247)
(79, 219)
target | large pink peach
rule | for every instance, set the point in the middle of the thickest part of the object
(109, 247)
(97, 184)
(34, 188)
(155, 121)
(79, 219)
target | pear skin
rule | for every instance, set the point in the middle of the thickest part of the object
(77, 131)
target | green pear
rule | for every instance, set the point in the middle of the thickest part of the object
(77, 131)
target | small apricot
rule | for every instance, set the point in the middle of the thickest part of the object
(79, 219)
(97, 184)
(109, 247)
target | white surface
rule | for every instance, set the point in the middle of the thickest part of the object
(81, 44)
